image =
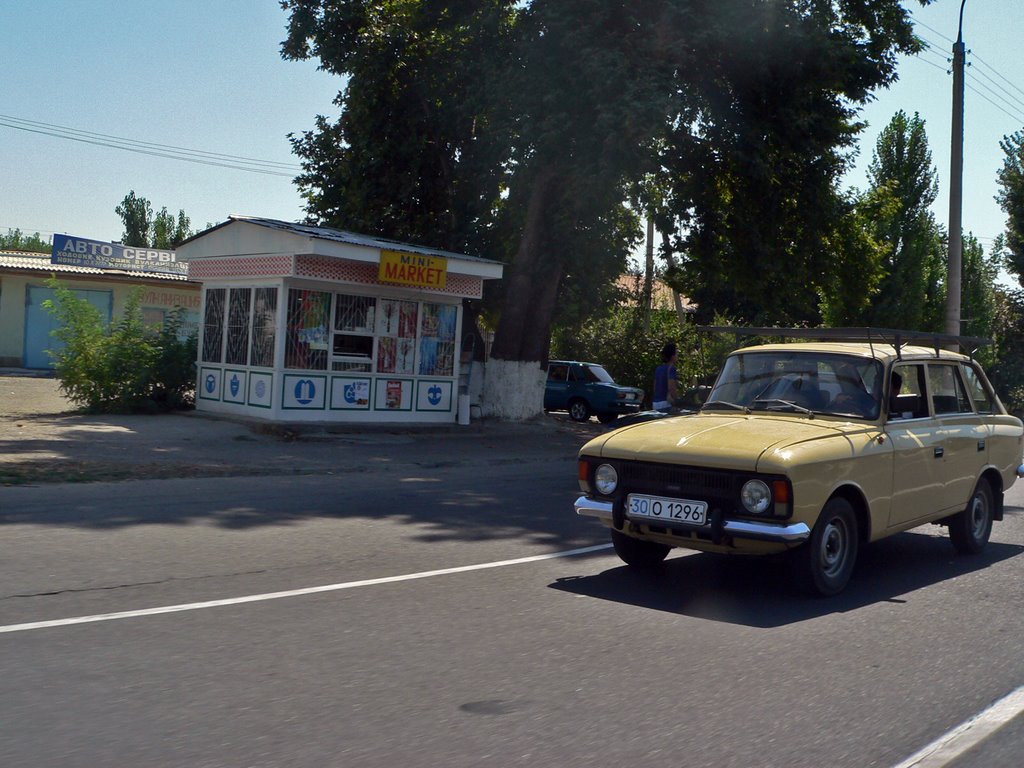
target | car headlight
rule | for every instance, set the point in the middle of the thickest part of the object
(606, 479)
(756, 496)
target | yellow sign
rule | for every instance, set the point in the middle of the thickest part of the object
(413, 269)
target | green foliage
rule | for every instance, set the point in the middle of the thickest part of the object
(755, 153)
(126, 367)
(848, 288)
(515, 130)
(617, 340)
(978, 294)
(1007, 372)
(911, 294)
(16, 240)
(142, 229)
(1011, 199)
(137, 214)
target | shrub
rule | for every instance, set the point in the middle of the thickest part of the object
(618, 342)
(126, 367)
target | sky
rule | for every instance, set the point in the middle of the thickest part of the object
(207, 76)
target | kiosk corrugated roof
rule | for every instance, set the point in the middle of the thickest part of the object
(343, 236)
(40, 262)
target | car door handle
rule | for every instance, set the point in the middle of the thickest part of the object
(981, 445)
(939, 452)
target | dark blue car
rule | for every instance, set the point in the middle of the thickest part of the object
(586, 389)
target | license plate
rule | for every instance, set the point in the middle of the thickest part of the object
(670, 510)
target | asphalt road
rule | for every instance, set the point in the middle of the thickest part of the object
(559, 661)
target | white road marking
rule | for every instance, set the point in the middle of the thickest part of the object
(950, 746)
(291, 592)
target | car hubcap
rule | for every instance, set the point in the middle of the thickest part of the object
(979, 516)
(833, 547)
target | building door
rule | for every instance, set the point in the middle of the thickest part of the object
(39, 323)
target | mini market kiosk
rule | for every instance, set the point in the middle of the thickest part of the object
(313, 324)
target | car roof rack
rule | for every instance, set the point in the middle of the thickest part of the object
(892, 336)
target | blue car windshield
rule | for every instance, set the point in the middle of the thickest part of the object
(788, 380)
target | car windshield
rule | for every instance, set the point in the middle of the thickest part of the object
(598, 374)
(787, 380)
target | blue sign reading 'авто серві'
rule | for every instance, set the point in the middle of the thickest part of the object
(82, 252)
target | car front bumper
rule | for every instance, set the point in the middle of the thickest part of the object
(783, 533)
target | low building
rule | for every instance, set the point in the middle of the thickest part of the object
(26, 326)
(303, 323)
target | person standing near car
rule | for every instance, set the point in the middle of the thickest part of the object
(666, 388)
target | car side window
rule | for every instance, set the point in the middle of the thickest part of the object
(907, 392)
(948, 395)
(977, 391)
(558, 372)
(576, 373)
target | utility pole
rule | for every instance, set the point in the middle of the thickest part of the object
(956, 186)
(648, 292)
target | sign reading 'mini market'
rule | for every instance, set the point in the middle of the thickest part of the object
(82, 252)
(415, 269)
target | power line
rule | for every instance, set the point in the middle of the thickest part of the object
(931, 29)
(997, 74)
(1009, 95)
(149, 148)
(167, 147)
(1018, 118)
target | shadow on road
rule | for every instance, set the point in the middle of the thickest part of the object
(758, 592)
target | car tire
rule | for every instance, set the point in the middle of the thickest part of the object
(639, 554)
(579, 410)
(969, 530)
(823, 565)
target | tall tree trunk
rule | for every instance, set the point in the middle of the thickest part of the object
(514, 380)
(529, 303)
(648, 295)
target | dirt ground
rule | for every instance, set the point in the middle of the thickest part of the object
(44, 439)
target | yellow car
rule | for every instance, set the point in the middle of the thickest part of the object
(818, 447)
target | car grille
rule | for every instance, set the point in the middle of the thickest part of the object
(670, 480)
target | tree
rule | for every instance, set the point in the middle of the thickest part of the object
(420, 148)
(521, 126)
(15, 240)
(911, 294)
(753, 164)
(977, 292)
(168, 231)
(1011, 200)
(142, 229)
(137, 215)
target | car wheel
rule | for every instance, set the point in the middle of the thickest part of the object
(579, 410)
(607, 418)
(637, 553)
(969, 530)
(824, 564)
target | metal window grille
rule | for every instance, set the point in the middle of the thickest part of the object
(213, 325)
(238, 326)
(264, 326)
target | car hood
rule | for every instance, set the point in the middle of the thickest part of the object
(727, 441)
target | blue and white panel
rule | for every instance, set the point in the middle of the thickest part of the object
(393, 394)
(350, 393)
(208, 384)
(261, 390)
(234, 386)
(434, 396)
(304, 392)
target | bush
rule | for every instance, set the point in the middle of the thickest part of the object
(126, 367)
(618, 342)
